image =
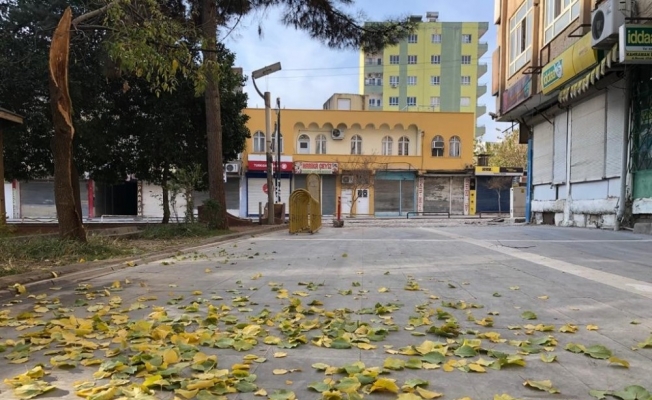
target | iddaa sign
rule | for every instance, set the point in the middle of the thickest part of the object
(635, 44)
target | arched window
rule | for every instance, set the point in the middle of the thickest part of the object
(259, 142)
(438, 146)
(320, 142)
(356, 145)
(304, 144)
(404, 146)
(274, 142)
(388, 143)
(454, 147)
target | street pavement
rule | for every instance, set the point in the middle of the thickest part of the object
(578, 287)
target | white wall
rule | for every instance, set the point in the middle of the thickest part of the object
(9, 200)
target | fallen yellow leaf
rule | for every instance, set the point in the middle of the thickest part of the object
(280, 371)
(592, 327)
(280, 354)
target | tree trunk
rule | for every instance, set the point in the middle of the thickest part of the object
(68, 210)
(213, 113)
(500, 211)
(166, 195)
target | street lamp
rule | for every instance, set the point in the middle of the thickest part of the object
(259, 73)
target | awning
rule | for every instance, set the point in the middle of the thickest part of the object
(591, 77)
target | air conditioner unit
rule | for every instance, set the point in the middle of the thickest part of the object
(337, 134)
(394, 85)
(347, 179)
(606, 19)
(232, 168)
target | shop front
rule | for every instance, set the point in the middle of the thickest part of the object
(394, 193)
(257, 188)
(323, 185)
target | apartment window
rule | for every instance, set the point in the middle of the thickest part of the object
(356, 145)
(465, 101)
(304, 144)
(434, 80)
(454, 147)
(466, 39)
(259, 142)
(393, 80)
(438, 146)
(412, 59)
(412, 80)
(393, 101)
(466, 80)
(393, 59)
(435, 59)
(436, 38)
(520, 37)
(388, 143)
(280, 142)
(466, 60)
(404, 146)
(379, 61)
(412, 38)
(320, 142)
(435, 101)
(559, 14)
(411, 101)
(375, 102)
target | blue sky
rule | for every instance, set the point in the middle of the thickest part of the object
(312, 72)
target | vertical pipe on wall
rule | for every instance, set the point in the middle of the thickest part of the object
(622, 201)
(528, 193)
(569, 142)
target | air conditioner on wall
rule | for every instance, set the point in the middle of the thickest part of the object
(606, 19)
(337, 134)
(232, 168)
(347, 179)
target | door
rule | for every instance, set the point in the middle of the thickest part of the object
(362, 203)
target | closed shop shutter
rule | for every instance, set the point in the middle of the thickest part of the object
(588, 140)
(615, 127)
(394, 193)
(328, 194)
(457, 198)
(560, 141)
(300, 181)
(542, 153)
(386, 196)
(487, 199)
(436, 194)
(255, 194)
(232, 188)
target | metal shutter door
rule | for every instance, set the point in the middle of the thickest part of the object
(487, 199)
(255, 194)
(542, 153)
(615, 126)
(300, 181)
(560, 141)
(407, 196)
(328, 194)
(386, 195)
(232, 188)
(436, 194)
(457, 198)
(587, 147)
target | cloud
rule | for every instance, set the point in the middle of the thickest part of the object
(312, 72)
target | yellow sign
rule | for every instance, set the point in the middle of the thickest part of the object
(568, 64)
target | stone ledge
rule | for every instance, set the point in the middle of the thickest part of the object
(644, 228)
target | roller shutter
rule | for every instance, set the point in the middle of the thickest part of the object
(436, 194)
(255, 194)
(542, 153)
(588, 140)
(615, 127)
(394, 193)
(560, 141)
(328, 194)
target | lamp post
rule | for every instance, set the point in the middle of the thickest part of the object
(259, 73)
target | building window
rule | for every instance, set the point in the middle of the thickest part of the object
(404, 146)
(393, 59)
(466, 60)
(559, 14)
(435, 59)
(375, 102)
(393, 101)
(411, 101)
(436, 38)
(434, 80)
(466, 38)
(379, 61)
(412, 38)
(438, 146)
(435, 101)
(466, 80)
(412, 80)
(304, 144)
(393, 80)
(465, 101)
(320, 142)
(387, 146)
(259, 142)
(412, 59)
(454, 147)
(520, 37)
(274, 142)
(356, 145)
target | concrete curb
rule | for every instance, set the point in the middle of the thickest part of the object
(40, 280)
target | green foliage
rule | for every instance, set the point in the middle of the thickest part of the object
(508, 152)
(212, 211)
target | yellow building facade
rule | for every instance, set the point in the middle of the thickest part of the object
(379, 163)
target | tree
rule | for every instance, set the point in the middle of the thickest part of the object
(508, 152)
(360, 173)
(498, 184)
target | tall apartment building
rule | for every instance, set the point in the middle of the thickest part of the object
(436, 68)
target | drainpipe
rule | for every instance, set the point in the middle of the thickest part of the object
(528, 192)
(622, 203)
(569, 142)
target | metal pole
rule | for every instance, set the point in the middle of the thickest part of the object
(528, 192)
(400, 196)
(268, 136)
(622, 203)
(278, 150)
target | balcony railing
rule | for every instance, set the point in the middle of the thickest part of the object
(482, 69)
(483, 47)
(482, 89)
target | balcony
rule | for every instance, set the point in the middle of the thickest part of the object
(480, 130)
(483, 47)
(482, 69)
(483, 27)
(482, 89)
(480, 110)
(373, 61)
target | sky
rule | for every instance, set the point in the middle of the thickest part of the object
(311, 72)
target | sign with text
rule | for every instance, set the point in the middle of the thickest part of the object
(570, 63)
(635, 44)
(517, 93)
(320, 168)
